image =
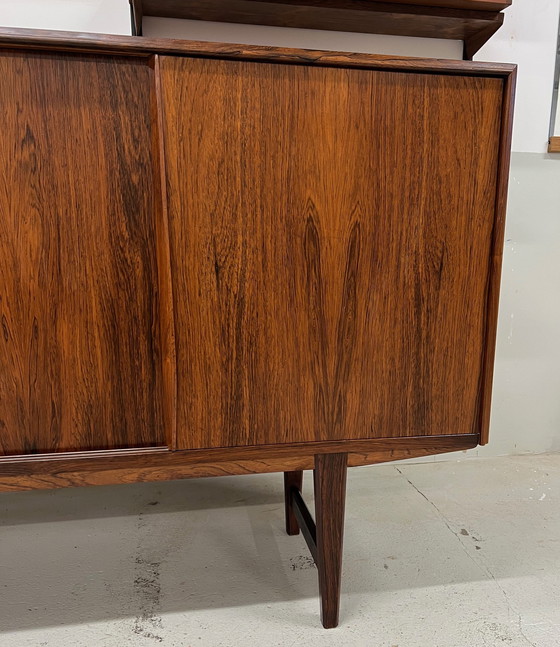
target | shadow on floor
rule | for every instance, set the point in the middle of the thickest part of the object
(92, 554)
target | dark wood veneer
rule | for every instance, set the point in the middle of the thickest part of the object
(163, 253)
(292, 482)
(302, 519)
(159, 464)
(496, 255)
(78, 272)
(139, 64)
(330, 501)
(132, 46)
(479, 5)
(290, 342)
(223, 259)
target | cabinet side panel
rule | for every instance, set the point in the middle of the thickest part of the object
(330, 245)
(497, 255)
(79, 364)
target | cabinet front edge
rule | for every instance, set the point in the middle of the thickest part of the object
(140, 46)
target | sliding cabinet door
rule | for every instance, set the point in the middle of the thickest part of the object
(79, 364)
(330, 244)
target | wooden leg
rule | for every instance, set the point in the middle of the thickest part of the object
(291, 480)
(330, 495)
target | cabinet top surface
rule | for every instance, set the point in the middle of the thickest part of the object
(139, 46)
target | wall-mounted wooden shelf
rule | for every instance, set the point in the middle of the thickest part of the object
(472, 21)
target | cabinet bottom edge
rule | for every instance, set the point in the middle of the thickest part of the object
(159, 464)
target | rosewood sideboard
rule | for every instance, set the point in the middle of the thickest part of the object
(222, 259)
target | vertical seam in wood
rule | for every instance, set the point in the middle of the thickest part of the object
(166, 302)
(496, 255)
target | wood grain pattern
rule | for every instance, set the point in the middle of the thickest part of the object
(131, 466)
(166, 318)
(328, 294)
(496, 255)
(479, 5)
(330, 501)
(183, 8)
(78, 280)
(468, 20)
(267, 266)
(131, 46)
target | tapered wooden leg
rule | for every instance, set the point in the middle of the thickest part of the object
(291, 480)
(330, 496)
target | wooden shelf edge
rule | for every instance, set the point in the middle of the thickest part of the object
(159, 464)
(554, 145)
(479, 5)
(472, 21)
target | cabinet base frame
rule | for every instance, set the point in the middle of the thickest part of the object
(76, 469)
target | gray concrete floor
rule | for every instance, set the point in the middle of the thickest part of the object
(452, 554)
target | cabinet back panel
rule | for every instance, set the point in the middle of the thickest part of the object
(78, 275)
(330, 241)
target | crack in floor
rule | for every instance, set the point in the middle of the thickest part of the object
(478, 562)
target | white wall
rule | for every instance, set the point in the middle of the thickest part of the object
(526, 409)
(101, 16)
(526, 404)
(304, 38)
(528, 38)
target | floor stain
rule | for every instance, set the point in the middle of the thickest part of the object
(147, 591)
(497, 633)
(301, 563)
